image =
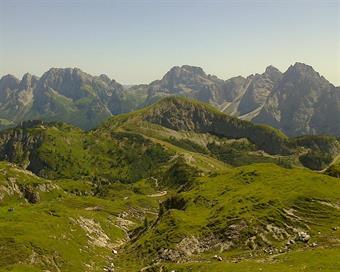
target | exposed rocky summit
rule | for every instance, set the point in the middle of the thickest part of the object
(188, 81)
(8, 83)
(67, 95)
(303, 102)
(258, 90)
(236, 96)
(299, 101)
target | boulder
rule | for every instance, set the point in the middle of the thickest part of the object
(218, 258)
(303, 236)
(31, 195)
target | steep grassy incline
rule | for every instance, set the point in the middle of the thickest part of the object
(66, 225)
(251, 212)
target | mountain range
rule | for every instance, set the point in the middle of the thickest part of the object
(67, 95)
(299, 101)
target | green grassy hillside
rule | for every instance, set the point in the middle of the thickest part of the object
(56, 150)
(175, 186)
(207, 139)
(182, 114)
(186, 123)
(252, 212)
(312, 260)
(70, 225)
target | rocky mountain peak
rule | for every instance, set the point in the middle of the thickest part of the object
(287, 101)
(9, 82)
(257, 91)
(305, 79)
(302, 66)
(105, 78)
(302, 71)
(273, 73)
(66, 81)
(52, 74)
(64, 73)
(27, 81)
(178, 73)
(194, 69)
(297, 104)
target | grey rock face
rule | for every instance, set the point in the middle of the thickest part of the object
(187, 81)
(234, 87)
(258, 90)
(303, 102)
(236, 96)
(299, 101)
(9, 82)
(67, 95)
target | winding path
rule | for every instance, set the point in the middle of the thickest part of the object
(159, 194)
(333, 161)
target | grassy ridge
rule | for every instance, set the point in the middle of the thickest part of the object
(186, 115)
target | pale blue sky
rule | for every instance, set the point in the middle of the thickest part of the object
(138, 41)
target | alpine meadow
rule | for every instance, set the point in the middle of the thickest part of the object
(139, 159)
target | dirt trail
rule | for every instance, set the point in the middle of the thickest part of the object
(159, 194)
(333, 161)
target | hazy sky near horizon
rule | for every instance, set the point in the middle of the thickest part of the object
(139, 41)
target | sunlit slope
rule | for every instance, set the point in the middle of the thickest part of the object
(177, 182)
(251, 212)
(66, 225)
